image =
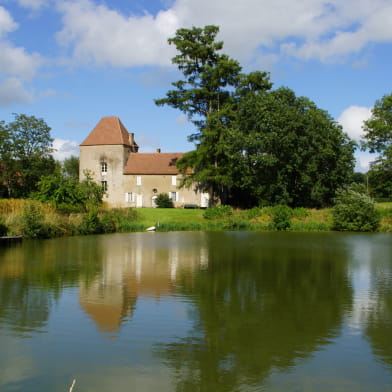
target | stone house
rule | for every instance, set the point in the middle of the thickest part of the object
(131, 178)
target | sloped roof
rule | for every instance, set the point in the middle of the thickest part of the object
(153, 163)
(109, 130)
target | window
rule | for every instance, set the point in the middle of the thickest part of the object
(104, 168)
(130, 197)
(138, 180)
(173, 196)
(174, 180)
(104, 185)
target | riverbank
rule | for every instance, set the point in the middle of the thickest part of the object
(32, 219)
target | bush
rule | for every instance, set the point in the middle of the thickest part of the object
(281, 217)
(32, 222)
(163, 201)
(354, 211)
(90, 223)
(217, 212)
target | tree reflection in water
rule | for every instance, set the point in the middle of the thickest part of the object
(258, 307)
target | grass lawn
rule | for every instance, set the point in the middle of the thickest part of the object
(151, 216)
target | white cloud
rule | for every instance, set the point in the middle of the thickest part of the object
(12, 91)
(16, 65)
(352, 118)
(7, 24)
(65, 149)
(363, 160)
(307, 29)
(102, 35)
(33, 4)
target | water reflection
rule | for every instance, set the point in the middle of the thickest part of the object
(203, 311)
(378, 316)
(144, 265)
(259, 307)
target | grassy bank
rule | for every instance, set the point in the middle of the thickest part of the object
(33, 219)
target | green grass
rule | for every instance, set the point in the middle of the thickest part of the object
(151, 216)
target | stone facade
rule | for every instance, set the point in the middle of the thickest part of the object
(131, 178)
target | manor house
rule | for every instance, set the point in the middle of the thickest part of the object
(131, 178)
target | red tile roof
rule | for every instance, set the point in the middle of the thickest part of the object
(109, 130)
(153, 163)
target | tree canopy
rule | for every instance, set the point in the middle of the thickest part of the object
(254, 145)
(25, 154)
(378, 138)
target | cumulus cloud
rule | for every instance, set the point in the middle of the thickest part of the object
(13, 91)
(7, 24)
(105, 36)
(65, 149)
(352, 118)
(307, 29)
(16, 65)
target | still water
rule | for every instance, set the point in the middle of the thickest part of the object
(231, 311)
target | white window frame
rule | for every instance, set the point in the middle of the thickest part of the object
(104, 168)
(138, 180)
(174, 180)
(130, 197)
(173, 196)
(104, 185)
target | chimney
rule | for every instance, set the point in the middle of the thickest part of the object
(158, 150)
(131, 138)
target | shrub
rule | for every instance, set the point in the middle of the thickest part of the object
(281, 217)
(253, 213)
(217, 212)
(354, 211)
(32, 222)
(90, 223)
(163, 201)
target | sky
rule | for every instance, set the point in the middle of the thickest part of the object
(72, 62)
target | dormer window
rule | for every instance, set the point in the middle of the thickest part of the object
(104, 168)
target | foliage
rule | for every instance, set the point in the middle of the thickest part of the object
(285, 150)
(254, 146)
(217, 212)
(354, 211)
(281, 217)
(164, 201)
(68, 194)
(71, 167)
(90, 223)
(25, 154)
(378, 138)
(33, 222)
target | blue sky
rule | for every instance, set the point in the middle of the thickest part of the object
(72, 62)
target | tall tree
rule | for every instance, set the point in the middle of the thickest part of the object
(285, 150)
(378, 138)
(28, 155)
(204, 95)
(253, 144)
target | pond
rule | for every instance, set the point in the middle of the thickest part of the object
(219, 311)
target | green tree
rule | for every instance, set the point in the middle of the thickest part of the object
(285, 150)
(378, 138)
(206, 96)
(253, 145)
(71, 167)
(67, 193)
(25, 154)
